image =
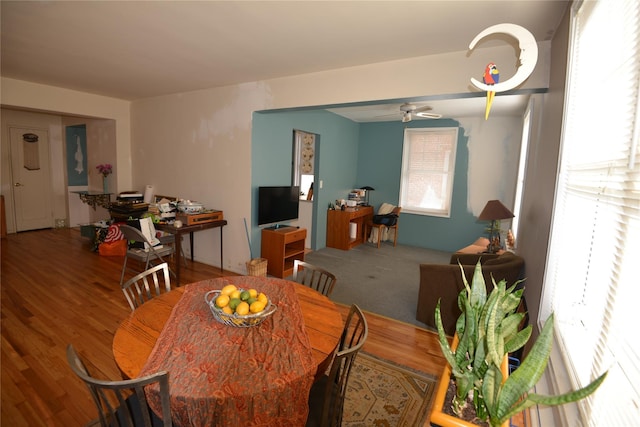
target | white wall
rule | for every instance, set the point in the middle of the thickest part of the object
(197, 145)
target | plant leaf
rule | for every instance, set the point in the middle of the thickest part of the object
(529, 372)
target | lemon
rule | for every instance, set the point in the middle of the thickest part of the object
(257, 306)
(222, 301)
(251, 300)
(227, 309)
(235, 294)
(262, 297)
(242, 308)
(233, 303)
(245, 295)
(253, 293)
(228, 289)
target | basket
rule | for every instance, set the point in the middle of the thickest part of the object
(257, 267)
(237, 320)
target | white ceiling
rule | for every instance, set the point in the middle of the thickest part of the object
(139, 49)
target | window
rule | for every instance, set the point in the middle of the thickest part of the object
(591, 280)
(428, 160)
(304, 152)
(522, 163)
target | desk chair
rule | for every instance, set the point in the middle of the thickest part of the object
(124, 403)
(370, 225)
(146, 285)
(326, 399)
(146, 256)
(314, 277)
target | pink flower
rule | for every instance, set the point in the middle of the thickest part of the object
(105, 169)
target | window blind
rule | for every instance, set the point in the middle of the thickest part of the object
(591, 281)
(428, 168)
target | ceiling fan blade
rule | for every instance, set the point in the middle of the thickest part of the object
(426, 115)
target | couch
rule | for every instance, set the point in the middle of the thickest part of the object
(444, 281)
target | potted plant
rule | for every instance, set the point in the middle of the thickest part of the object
(486, 332)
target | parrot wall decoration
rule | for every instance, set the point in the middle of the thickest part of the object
(491, 77)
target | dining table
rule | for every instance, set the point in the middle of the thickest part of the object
(223, 375)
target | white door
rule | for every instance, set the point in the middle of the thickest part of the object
(31, 178)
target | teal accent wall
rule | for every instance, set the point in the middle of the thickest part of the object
(272, 161)
(352, 155)
(379, 166)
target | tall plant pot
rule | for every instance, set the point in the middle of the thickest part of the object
(438, 417)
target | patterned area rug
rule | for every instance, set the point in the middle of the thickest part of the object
(384, 394)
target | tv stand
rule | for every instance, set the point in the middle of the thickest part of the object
(281, 246)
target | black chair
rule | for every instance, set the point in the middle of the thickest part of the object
(124, 403)
(326, 399)
(314, 277)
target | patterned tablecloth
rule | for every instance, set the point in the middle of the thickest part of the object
(221, 375)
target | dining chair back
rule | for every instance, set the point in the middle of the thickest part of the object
(326, 400)
(123, 402)
(370, 225)
(147, 254)
(146, 285)
(314, 277)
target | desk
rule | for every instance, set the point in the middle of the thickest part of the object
(136, 338)
(338, 223)
(178, 232)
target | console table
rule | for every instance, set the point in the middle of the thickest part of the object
(179, 231)
(93, 198)
(338, 223)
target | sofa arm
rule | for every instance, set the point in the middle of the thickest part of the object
(439, 282)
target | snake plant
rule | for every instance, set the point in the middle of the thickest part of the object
(488, 330)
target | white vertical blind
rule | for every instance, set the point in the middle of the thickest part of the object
(591, 281)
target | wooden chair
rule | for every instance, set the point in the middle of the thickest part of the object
(314, 277)
(146, 256)
(123, 402)
(370, 225)
(146, 285)
(326, 400)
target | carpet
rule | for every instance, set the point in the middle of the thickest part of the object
(384, 281)
(381, 393)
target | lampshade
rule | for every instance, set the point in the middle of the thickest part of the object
(366, 187)
(494, 210)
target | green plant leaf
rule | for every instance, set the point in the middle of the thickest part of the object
(529, 371)
(518, 340)
(444, 345)
(537, 399)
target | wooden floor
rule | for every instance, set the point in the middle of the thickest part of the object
(56, 291)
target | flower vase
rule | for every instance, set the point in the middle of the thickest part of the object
(105, 185)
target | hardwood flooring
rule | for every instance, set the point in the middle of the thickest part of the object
(56, 291)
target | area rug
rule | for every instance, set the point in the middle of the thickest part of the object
(381, 393)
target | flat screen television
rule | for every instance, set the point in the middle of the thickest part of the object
(277, 204)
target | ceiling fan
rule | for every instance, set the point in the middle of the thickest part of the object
(408, 111)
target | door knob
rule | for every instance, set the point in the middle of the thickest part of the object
(17, 184)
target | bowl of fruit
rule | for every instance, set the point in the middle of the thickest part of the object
(239, 307)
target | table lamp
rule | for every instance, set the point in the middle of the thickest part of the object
(494, 211)
(366, 194)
